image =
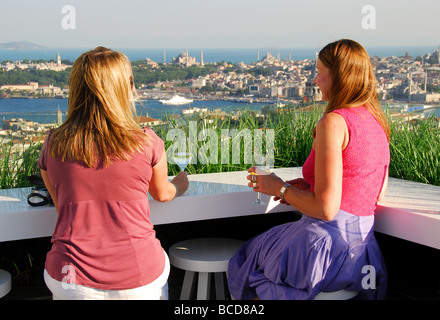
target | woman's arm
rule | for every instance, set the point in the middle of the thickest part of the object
(384, 187)
(324, 202)
(299, 183)
(163, 190)
(49, 187)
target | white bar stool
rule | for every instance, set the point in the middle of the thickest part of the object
(5, 283)
(336, 295)
(204, 256)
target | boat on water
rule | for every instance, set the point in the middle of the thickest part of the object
(407, 108)
(194, 110)
(176, 100)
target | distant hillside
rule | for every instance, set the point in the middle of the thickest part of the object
(20, 45)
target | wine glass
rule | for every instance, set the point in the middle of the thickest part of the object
(261, 168)
(182, 159)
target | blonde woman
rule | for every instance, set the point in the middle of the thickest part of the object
(99, 166)
(332, 247)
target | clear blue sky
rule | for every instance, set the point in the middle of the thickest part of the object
(219, 23)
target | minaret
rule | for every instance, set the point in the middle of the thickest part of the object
(314, 67)
(201, 58)
(164, 57)
(258, 55)
(59, 116)
(58, 59)
(426, 80)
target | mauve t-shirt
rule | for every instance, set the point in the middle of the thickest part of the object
(103, 237)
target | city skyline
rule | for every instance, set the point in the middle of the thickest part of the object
(221, 24)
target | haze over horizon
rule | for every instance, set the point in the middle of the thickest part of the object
(225, 24)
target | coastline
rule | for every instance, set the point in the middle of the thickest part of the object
(211, 55)
(30, 97)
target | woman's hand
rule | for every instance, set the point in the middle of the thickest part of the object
(181, 183)
(161, 189)
(264, 182)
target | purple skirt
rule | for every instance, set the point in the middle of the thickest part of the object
(297, 260)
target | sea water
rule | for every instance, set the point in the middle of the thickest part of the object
(45, 110)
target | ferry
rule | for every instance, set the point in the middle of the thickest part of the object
(407, 108)
(176, 100)
(192, 110)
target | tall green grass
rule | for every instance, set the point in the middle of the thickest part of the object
(17, 161)
(415, 150)
(291, 132)
(414, 146)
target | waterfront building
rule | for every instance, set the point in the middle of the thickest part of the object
(49, 90)
(17, 124)
(30, 86)
(148, 121)
(254, 89)
(19, 65)
(198, 83)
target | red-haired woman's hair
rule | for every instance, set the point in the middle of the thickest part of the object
(353, 80)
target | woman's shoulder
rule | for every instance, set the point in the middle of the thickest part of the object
(332, 127)
(153, 140)
(150, 133)
(331, 121)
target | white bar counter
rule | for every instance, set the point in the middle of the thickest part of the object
(209, 196)
(410, 210)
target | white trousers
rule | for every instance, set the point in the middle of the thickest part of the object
(156, 290)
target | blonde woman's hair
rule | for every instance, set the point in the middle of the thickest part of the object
(353, 80)
(100, 122)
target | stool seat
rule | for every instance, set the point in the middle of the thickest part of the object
(5, 283)
(205, 256)
(336, 295)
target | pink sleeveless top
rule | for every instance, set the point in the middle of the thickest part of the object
(365, 162)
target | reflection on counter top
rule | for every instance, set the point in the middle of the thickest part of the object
(229, 182)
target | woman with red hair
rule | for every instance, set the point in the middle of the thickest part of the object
(332, 247)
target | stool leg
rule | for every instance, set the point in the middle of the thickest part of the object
(187, 285)
(219, 286)
(203, 286)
